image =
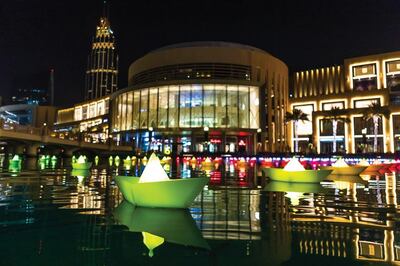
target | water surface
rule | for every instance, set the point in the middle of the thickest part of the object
(52, 216)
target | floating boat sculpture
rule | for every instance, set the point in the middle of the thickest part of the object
(348, 178)
(277, 186)
(159, 225)
(340, 167)
(127, 163)
(133, 160)
(96, 160)
(207, 164)
(80, 174)
(15, 163)
(375, 167)
(155, 189)
(295, 172)
(81, 164)
(241, 163)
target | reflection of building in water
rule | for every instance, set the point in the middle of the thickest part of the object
(229, 214)
(258, 224)
(96, 197)
(362, 232)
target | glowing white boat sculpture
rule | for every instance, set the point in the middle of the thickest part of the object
(159, 225)
(295, 172)
(81, 164)
(340, 167)
(155, 189)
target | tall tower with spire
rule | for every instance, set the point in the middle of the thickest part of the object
(102, 68)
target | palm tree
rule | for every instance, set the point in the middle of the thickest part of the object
(335, 116)
(296, 116)
(374, 113)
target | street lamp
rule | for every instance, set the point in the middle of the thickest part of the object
(150, 136)
(206, 129)
(364, 138)
(259, 144)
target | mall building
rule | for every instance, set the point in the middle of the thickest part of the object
(87, 121)
(352, 87)
(203, 96)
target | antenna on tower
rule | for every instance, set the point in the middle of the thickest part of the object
(106, 10)
(51, 85)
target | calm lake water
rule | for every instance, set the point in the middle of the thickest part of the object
(50, 215)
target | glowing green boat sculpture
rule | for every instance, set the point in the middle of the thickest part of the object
(276, 186)
(155, 189)
(15, 164)
(340, 167)
(159, 225)
(80, 172)
(174, 193)
(81, 164)
(295, 172)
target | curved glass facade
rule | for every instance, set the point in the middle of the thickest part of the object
(187, 106)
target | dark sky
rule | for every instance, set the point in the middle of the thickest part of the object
(36, 35)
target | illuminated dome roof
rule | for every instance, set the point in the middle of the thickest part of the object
(209, 44)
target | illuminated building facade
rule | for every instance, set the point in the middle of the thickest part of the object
(87, 121)
(102, 68)
(352, 87)
(203, 96)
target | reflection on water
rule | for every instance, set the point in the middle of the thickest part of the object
(50, 215)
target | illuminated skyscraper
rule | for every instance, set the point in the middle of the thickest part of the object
(102, 69)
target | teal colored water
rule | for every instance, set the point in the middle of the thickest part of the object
(50, 215)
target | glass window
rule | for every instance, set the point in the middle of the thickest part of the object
(184, 104)
(365, 103)
(123, 111)
(197, 102)
(254, 107)
(209, 105)
(364, 77)
(92, 110)
(393, 75)
(118, 111)
(129, 111)
(396, 132)
(162, 107)
(78, 113)
(100, 107)
(220, 106)
(173, 101)
(153, 107)
(305, 127)
(107, 104)
(144, 101)
(85, 112)
(136, 109)
(360, 124)
(244, 114)
(232, 102)
(326, 128)
(330, 105)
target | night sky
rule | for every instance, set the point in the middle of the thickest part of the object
(39, 35)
